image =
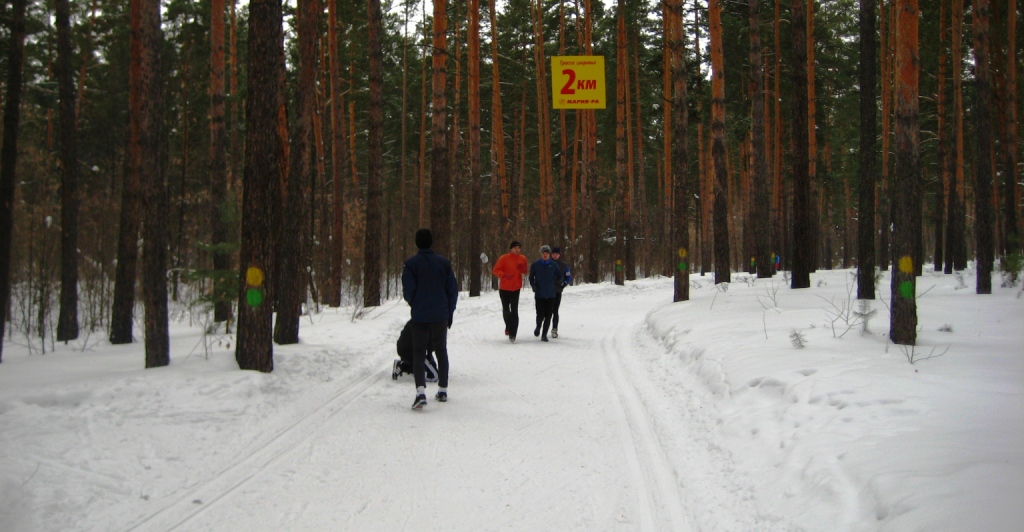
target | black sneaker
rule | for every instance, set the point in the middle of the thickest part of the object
(420, 402)
(396, 370)
(441, 396)
(536, 332)
(544, 338)
(512, 338)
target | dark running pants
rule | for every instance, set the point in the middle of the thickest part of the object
(554, 310)
(544, 306)
(510, 310)
(430, 336)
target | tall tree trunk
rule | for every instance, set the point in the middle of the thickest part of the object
(779, 231)
(620, 144)
(292, 246)
(475, 208)
(337, 160)
(9, 153)
(812, 144)
(497, 126)
(906, 180)
(762, 245)
(983, 132)
(942, 147)
(1011, 193)
(680, 183)
(440, 179)
(67, 323)
(722, 268)
(145, 155)
(372, 268)
(887, 32)
(218, 167)
(802, 235)
(867, 162)
(543, 121)
(956, 256)
(254, 348)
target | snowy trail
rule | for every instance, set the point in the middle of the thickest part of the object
(488, 449)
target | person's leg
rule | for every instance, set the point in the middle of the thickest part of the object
(513, 327)
(554, 311)
(545, 306)
(420, 342)
(506, 308)
(539, 305)
(439, 343)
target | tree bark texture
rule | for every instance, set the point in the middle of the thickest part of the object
(440, 179)
(254, 348)
(721, 205)
(475, 207)
(680, 180)
(67, 323)
(906, 180)
(802, 234)
(868, 165)
(760, 207)
(9, 153)
(372, 267)
(145, 162)
(218, 165)
(293, 246)
(983, 133)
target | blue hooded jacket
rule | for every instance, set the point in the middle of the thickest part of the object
(430, 288)
(544, 275)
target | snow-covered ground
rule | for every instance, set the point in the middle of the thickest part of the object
(642, 415)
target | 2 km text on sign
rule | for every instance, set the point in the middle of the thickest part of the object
(577, 82)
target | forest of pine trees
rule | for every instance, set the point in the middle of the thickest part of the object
(265, 158)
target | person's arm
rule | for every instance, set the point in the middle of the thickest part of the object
(496, 270)
(408, 284)
(452, 289)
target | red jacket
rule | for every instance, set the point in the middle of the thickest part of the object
(510, 270)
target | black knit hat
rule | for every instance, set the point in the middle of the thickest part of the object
(556, 249)
(424, 239)
(514, 244)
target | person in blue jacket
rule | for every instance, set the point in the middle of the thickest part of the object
(430, 288)
(565, 279)
(544, 274)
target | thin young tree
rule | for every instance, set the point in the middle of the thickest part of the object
(9, 152)
(906, 180)
(866, 158)
(67, 323)
(293, 247)
(723, 272)
(802, 235)
(475, 208)
(440, 180)
(982, 10)
(145, 87)
(680, 182)
(375, 161)
(254, 348)
(218, 166)
(760, 208)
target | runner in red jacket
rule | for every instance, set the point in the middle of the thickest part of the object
(510, 269)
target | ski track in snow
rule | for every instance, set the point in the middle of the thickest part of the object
(662, 508)
(195, 501)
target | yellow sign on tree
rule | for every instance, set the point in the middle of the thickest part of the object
(577, 82)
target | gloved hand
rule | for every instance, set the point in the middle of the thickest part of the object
(450, 318)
